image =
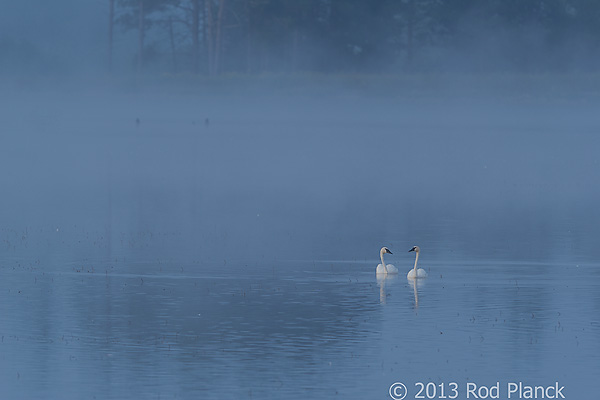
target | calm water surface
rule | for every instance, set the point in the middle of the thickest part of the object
(293, 329)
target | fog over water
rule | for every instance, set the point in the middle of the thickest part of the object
(202, 219)
(225, 245)
(297, 176)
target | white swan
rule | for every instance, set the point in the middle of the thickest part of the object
(416, 273)
(383, 268)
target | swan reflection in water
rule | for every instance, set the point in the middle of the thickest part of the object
(416, 284)
(382, 280)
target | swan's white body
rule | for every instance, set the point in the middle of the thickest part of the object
(416, 273)
(384, 268)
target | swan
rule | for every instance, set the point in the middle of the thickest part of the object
(416, 273)
(383, 268)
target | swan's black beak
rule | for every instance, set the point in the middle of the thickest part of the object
(389, 251)
(413, 249)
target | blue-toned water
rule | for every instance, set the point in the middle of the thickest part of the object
(171, 260)
(294, 329)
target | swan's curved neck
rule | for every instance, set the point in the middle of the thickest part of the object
(383, 262)
(416, 259)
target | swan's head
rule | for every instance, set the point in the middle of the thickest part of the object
(385, 250)
(415, 248)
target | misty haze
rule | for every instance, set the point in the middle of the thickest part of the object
(195, 194)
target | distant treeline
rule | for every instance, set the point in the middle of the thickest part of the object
(386, 36)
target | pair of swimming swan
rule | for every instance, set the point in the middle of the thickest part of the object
(386, 269)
